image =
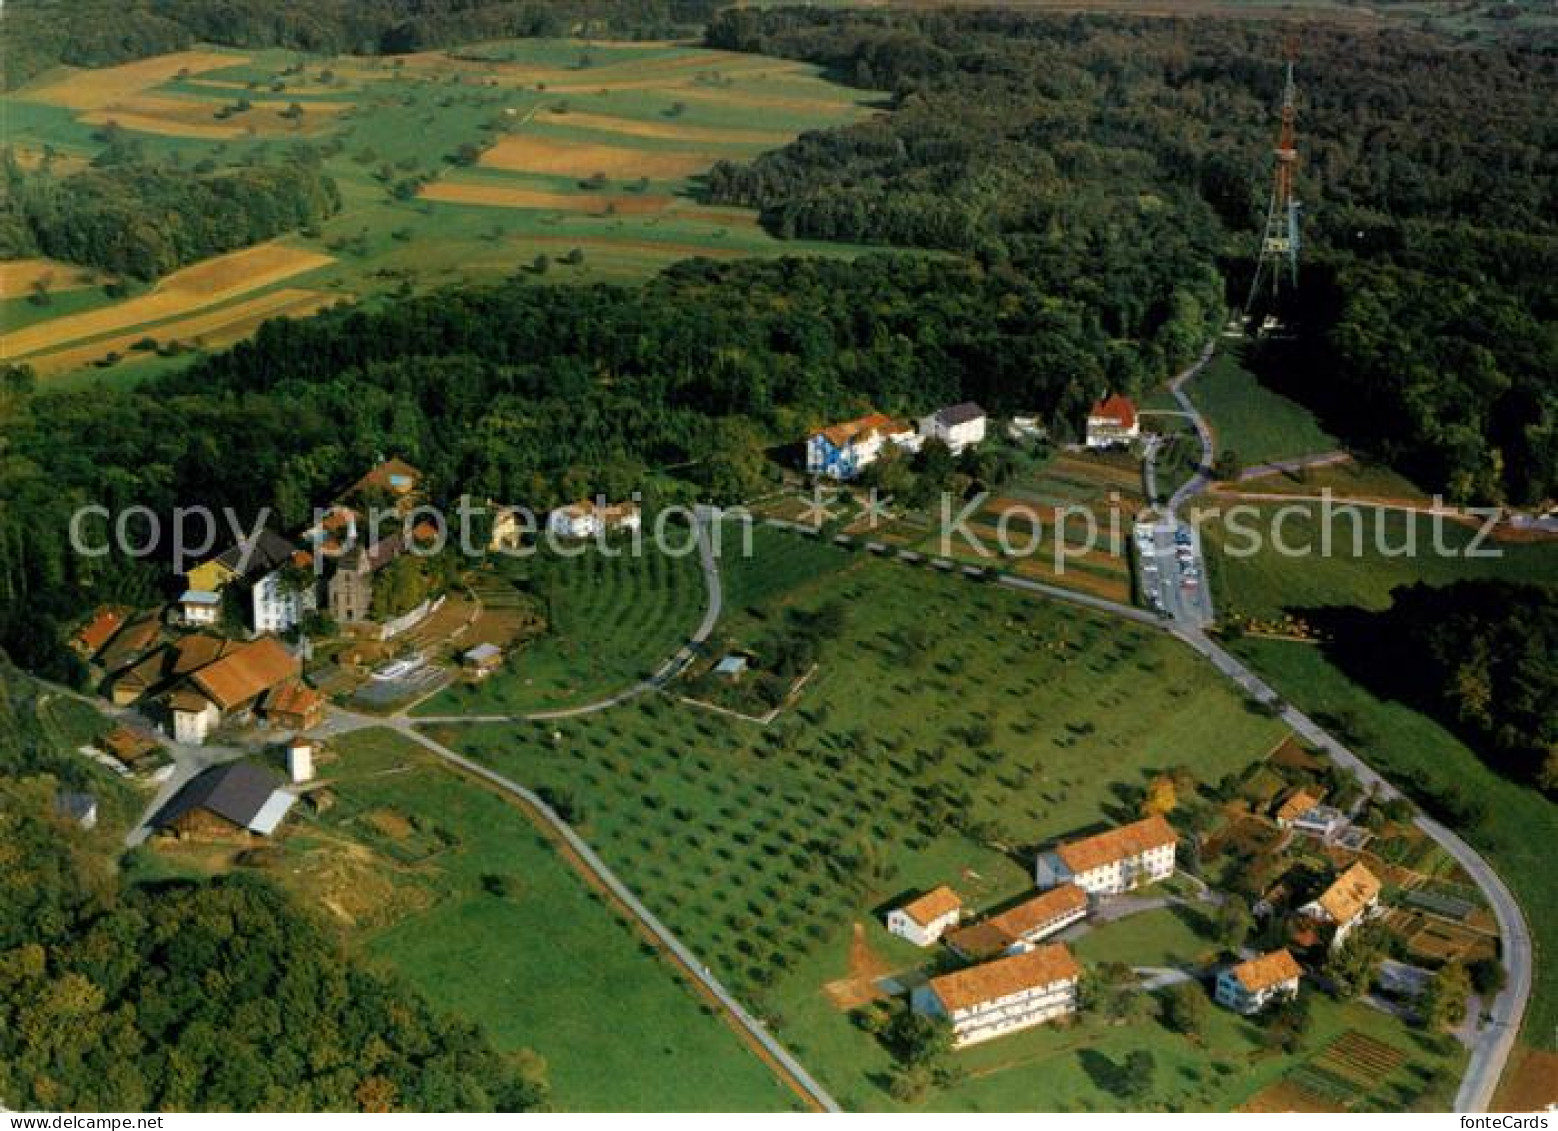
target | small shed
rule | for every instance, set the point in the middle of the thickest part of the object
(732, 667)
(482, 660)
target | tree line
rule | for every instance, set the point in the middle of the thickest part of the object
(1126, 162)
(139, 220)
(40, 34)
(1481, 656)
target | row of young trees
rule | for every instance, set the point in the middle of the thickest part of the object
(139, 220)
(1124, 163)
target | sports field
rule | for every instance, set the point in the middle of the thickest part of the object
(549, 160)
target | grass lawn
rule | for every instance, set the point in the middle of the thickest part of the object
(1266, 583)
(947, 718)
(551, 967)
(1518, 835)
(1171, 936)
(1076, 1067)
(1352, 479)
(1251, 420)
(612, 621)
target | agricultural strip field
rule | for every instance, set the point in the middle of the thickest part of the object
(1084, 506)
(166, 310)
(491, 923)
(559, 160)
(612, 622)
(1518, 835)
(950, 727)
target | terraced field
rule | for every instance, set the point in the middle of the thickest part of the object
(561, 159)
(1075, 513)
(612, 621)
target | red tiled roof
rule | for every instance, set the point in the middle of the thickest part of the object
(100, 629)
(932, 905)
(245, 673)
(1117, 844)
(1298, 802)
(1115, 408)
(876, 423)
(1352, 891)
(1268, 970)
(1041, 966)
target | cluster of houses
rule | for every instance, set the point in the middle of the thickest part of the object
(193, 684)
(842, 451)
(1016, 979)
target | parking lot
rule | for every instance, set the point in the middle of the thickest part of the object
(1172, 570)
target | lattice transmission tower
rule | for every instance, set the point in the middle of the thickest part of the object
(1277, 263)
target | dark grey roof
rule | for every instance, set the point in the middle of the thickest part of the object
(269, 551)
(959, 413)
(236, 791)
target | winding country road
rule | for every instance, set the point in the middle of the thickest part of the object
(790, 1070)
(1494, 1042)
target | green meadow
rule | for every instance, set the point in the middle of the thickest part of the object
(512, 938)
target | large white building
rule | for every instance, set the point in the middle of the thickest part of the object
(922, 921)
(1250, 986)
(1112, 862)
(1004, 996)
(959, 426)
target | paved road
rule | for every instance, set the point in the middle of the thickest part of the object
(797, 1075)
(1289, 466)
(1203, 474)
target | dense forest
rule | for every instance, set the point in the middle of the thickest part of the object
(1481, 656)
(138, 220)
(1122, 161)
(210, 996)
(39, 34)
(528, 394)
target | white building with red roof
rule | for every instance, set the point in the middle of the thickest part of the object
(1112, 422)
(1114, 861)
(924, 920)
(1004, 996)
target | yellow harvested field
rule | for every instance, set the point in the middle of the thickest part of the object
(189, 117)
(61, 164)
(94, 89)
(213, 328)
(202, 284)
(502, 196)
(18, 275)
(555, 157)
(669, 131)
(763, 100)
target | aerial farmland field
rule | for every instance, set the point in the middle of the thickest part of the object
(550, 160)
